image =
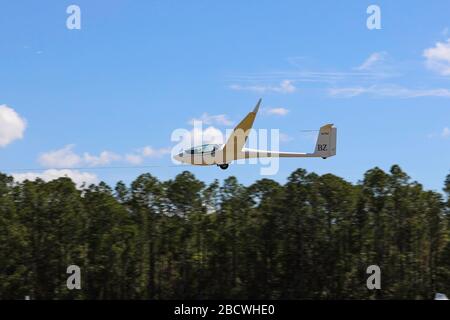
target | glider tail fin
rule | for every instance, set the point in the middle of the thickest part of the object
(326, 141)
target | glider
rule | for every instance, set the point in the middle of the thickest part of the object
(222, 154)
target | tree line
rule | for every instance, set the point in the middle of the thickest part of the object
(310, 238)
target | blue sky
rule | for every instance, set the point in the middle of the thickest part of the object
(111, 93)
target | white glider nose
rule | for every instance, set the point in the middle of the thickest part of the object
(179, 157)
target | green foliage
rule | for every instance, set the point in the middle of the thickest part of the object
(312, 237)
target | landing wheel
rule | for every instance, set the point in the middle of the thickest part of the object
(324, 157)
(223, 166)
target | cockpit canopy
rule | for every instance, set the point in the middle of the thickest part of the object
(206, 148)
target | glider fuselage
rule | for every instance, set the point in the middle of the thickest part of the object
(233, 149)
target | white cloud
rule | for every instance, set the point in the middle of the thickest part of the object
(209, 135)
(389, 91)
(372, 60)
(438, 58)
(134, 159)
(382, 71)
(77, 177)
(67, 158)
(198, 136)
(145, 152)
(61, 158)
(220, 119)
(150, 152)
(277, 111)
(105, 157)
(285, 86)
(445, 133)
(12, 125)
(347, 92)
